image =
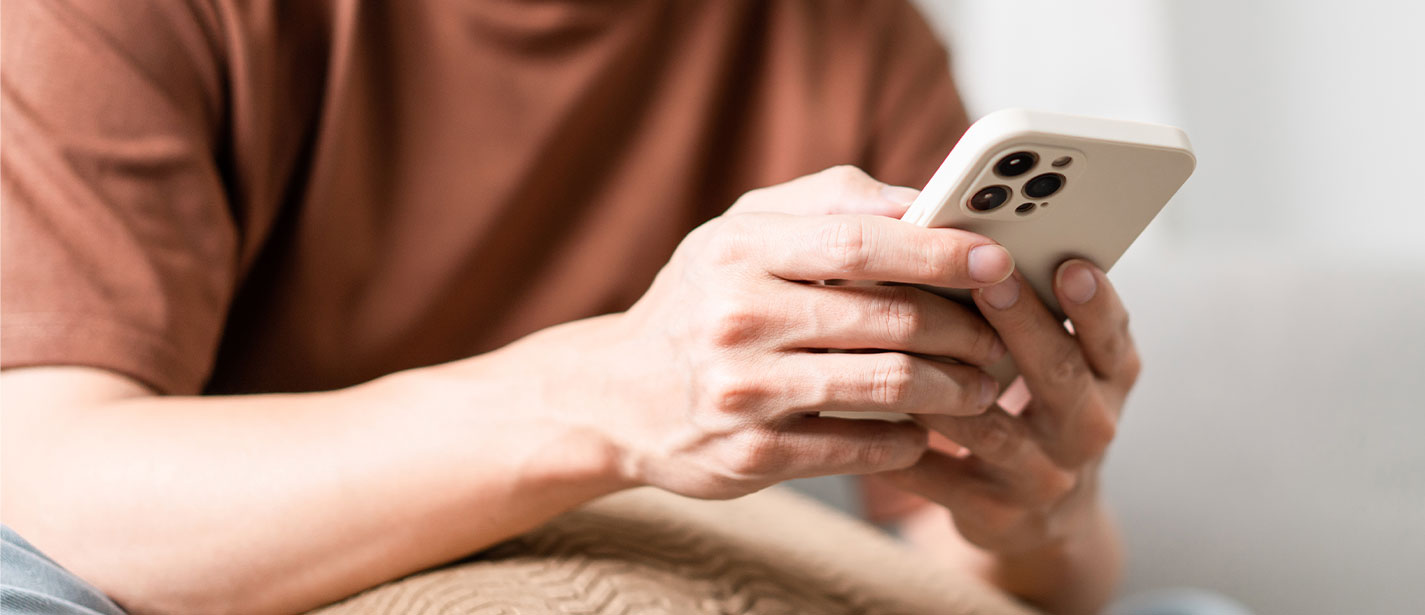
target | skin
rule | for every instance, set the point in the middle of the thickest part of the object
(707, 387)
(1022, 488)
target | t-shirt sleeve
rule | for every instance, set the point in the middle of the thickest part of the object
(117, 245)
(918, 115)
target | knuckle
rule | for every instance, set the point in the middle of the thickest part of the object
(701, 238)
(940, 260)
(733, 323)
(818, 388)
(903, 319)
(1098, 431)
(1110, 346)
(885, 451)
(984, 342)
(1132, 367)
(727, 391)
(845, 176)
(750, 200)
(1118, 348)
(967, 395)
(726, 241)
(756, 454)
(876, 454)
(1066, 367)
(993, 435)
(892, 380)
(847, 245)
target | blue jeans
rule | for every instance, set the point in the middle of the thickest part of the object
(33, 583)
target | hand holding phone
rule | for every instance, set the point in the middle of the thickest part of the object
(1055, 191)
(1050, 187)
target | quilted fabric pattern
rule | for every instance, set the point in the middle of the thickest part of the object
(651, 552)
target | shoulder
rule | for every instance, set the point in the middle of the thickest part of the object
(172, 51)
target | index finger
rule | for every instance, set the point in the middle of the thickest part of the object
(1100, 321)
(876, 248)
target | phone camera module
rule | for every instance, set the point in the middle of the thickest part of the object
(1016, 164)
(989, 199)
(1043, 185)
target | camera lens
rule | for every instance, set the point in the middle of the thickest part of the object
(989, 198)
(1043, 185)
(1016, 164)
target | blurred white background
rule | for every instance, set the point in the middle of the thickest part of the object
(1275, 447)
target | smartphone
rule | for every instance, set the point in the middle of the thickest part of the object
(1050, 187)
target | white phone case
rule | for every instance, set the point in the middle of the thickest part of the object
(1116, 176)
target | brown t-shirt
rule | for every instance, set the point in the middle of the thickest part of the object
(242, 196)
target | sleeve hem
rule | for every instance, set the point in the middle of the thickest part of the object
(33, 340)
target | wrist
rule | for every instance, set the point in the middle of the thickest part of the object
(543, 401)
(1076, 573)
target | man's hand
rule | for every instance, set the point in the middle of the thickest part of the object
(721, 367)
(1026, 486)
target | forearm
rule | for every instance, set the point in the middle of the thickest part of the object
(1072, 576)
(279, 503)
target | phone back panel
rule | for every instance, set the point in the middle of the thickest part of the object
(1118, 176)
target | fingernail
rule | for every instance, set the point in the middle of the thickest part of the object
(1003, 295)
(990, 263)
(899, 195)
(1077, 282)
(989, 390)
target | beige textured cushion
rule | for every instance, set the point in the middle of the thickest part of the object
(646, 551)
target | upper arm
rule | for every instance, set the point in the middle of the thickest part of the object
(118, 245)
(30, 389)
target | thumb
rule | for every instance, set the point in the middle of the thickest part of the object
(837, 190)
(894, 202)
